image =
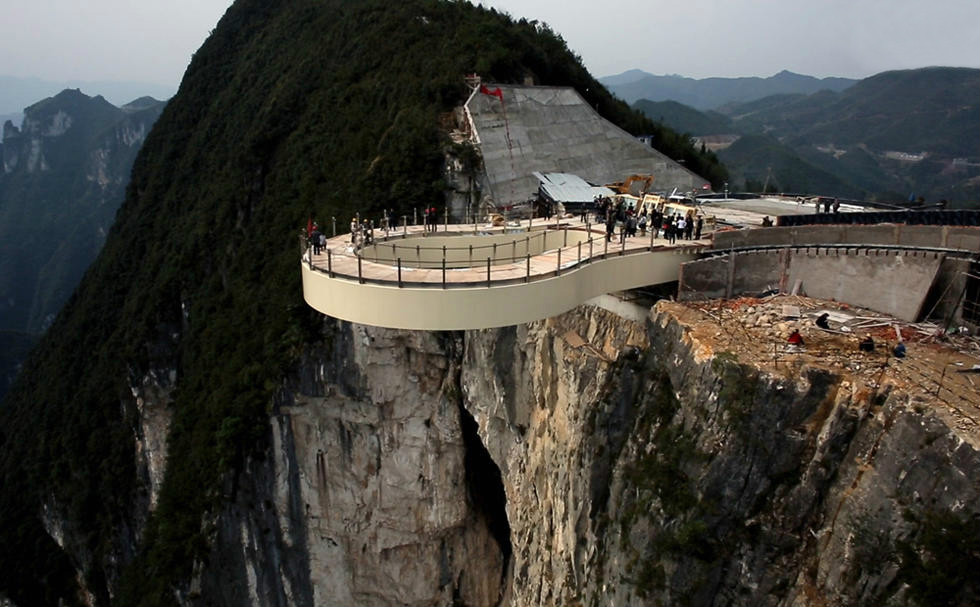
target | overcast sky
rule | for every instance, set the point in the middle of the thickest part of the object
(152, 40)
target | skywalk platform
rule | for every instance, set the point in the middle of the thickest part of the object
(473, 276)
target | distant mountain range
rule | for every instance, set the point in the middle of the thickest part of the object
(62, 177)
(18, 93)
(889, 137)
(712, 93)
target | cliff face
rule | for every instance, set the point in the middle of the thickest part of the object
(370, 493)
(667, 473)
(638, 466)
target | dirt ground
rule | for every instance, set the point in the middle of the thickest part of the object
(941, 369)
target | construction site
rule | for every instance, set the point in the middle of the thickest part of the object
(940, 368)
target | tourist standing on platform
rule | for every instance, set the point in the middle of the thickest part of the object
(688, 226)
(316, 239)
(699, 227)
(610, 225)
(368, 230)
(681, 226)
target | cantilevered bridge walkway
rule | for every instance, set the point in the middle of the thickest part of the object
(470, 276)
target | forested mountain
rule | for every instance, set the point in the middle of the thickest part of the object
(63, 176)
(685, 119)
(888, 137)
(289, 109)
(712, 93)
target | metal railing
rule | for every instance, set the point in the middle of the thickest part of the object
(567, 259)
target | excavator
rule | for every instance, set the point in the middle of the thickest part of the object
(627, 186)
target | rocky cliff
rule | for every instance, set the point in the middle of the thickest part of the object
(643, 467)
(613, 460)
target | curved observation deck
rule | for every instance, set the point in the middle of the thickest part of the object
(467, 276)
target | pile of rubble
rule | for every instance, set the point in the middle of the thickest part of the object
(939, 366)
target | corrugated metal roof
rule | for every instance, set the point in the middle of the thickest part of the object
(566, 187)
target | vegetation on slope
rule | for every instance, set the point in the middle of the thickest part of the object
(66, 176)
(290, 109)
(683, 118)
(889, 136)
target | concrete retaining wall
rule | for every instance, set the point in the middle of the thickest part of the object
(553, 129)
(894, 283)
(951, 237)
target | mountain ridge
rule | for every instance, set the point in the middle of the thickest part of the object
(63, 175)
(16, 93)
(711, 93)
(889, 136)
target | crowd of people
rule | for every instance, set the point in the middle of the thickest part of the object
(672, 225)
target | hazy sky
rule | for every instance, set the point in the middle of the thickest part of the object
(152, 40)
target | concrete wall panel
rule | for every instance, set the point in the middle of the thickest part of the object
(552, 129)
(957, 237)
(894, 284)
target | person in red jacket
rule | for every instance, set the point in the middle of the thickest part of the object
(795, 338)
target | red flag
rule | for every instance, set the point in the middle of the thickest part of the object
(309, 227)
(493, 93)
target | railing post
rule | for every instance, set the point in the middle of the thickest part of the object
(495, 251)
(399, 272)
(329, 265)
(605, 246)
(622, 248)
(558, 270)
(513, 251)
(334, 221)
(488, 272)
(590, 249)
(418, 256)
(446, 229)
(527, 277)
(360, 277)
(415, 216)
(443, 269)
(404, 226)
(471, 255)
(580, 252)
(527, 245)
(651, 238)
(565, 235)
